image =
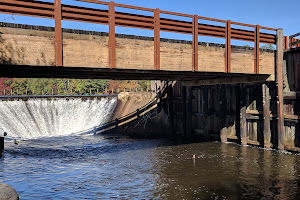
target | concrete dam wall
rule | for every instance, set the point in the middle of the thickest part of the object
(34, 45)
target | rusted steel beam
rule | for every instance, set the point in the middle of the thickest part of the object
(243, 24)
(286, 42)
(175, 13)
(134, 7)
(177, 23)
(296, 42)
(295, 35)
(157, 39)
(212, 19)
(212, 33)
(11, 12)
(34, 4)
(267, 28)
(266, 115)
(175, 28)
(243, 32)
(84, 11)
(134, 17)
(128, 22)
(86, 18)
(195, 43)
(58, 34)
(256, 50)
(243, 37)
(95, 1)
(112, 35)
(24, 11)
(228, 47)
(279, 81)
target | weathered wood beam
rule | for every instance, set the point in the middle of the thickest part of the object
(243, 119)
(266, 115)
(279, 81)
(188, 109)
(223, 116)
(229, 80)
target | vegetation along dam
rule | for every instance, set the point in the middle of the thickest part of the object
(103, 100)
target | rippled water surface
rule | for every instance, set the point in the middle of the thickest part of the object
(92, 167)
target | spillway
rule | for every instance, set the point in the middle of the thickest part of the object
(52, 117)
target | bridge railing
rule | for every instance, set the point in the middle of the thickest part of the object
(292, 41)
(155, 22)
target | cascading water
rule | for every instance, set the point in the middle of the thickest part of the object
(41, 117)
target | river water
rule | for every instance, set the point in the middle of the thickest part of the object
(95, 167)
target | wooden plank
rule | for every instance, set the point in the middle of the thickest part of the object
(243, 119)
(266, 113)
(279, 81)
(58, 34)
(188, 109)
(253, 142)
(184, 110)
(223, 112)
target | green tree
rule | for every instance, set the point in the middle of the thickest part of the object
(268, 46)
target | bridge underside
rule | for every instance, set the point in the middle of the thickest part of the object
(27, 71)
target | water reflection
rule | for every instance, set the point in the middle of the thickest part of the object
(97, 168)
(226, 171)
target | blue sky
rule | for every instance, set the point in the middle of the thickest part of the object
(269, 13)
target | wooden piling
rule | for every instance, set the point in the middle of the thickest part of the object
(266, 115)
(171, 107)
(184, 110)
(223, 114)
(243, 119)
(1, 143)
(279, 81)
(189, 124)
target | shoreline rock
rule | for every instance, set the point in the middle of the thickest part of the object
(7, 192)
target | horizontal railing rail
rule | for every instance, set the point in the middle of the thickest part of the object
(292, 41)
(112, 18)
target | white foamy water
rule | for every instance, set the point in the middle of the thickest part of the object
(40, 117)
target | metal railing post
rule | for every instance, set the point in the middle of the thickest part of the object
(256, 49)
(112, 35)
(157, 39)
(228, 47)
(195, 43)
(58, 34)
